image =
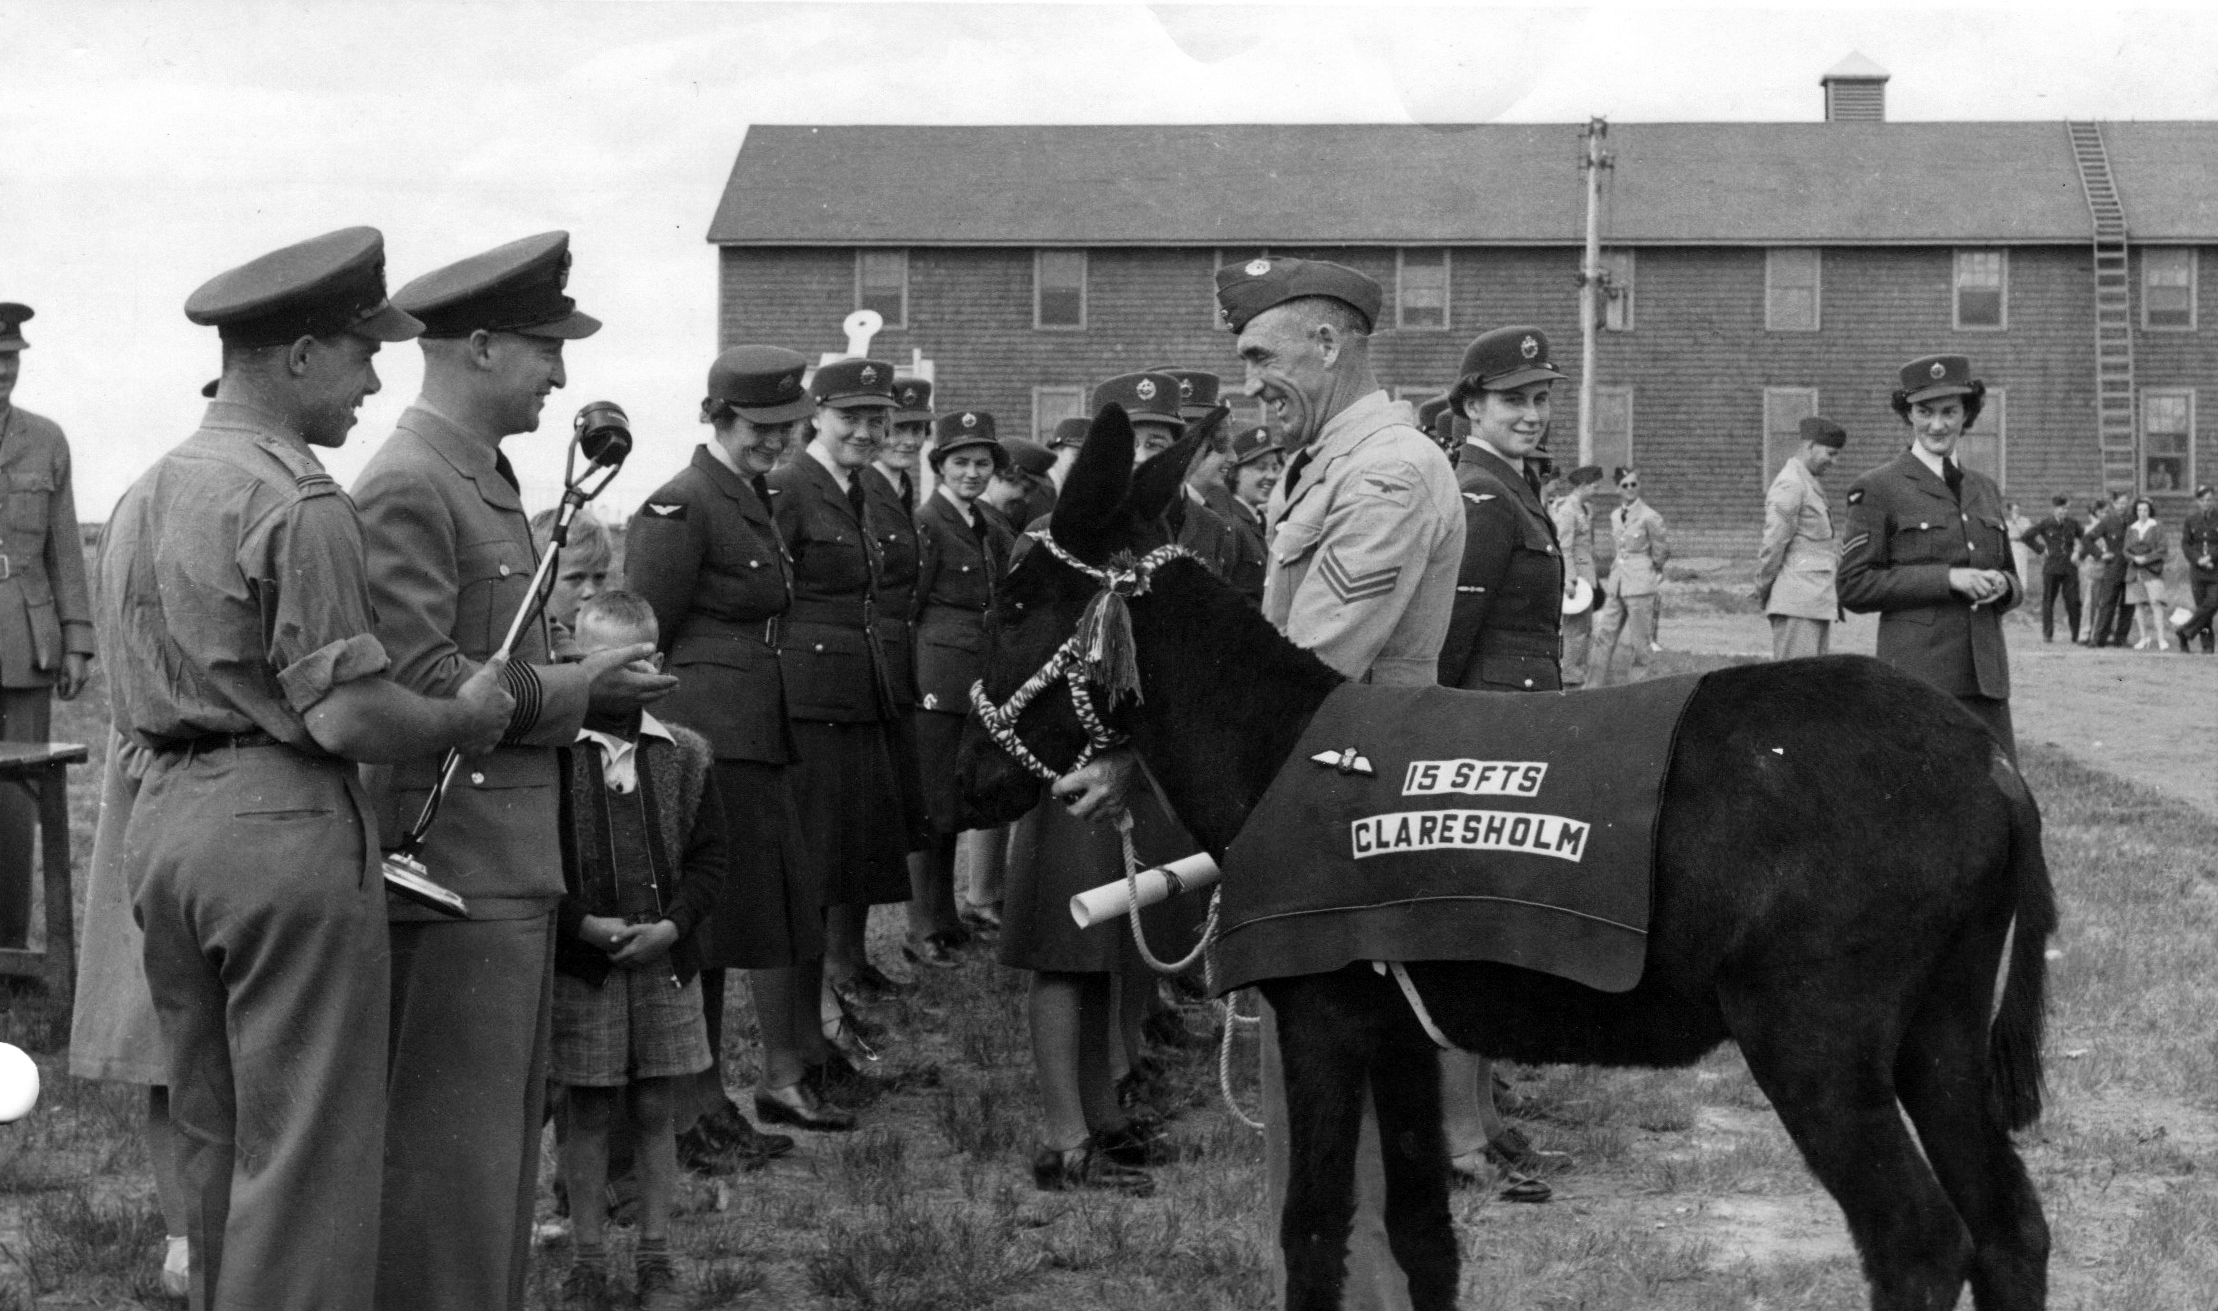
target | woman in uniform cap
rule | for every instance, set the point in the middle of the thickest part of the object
(704, 552)
(1503, 636)
(962, 548)
(839, 690)
(1928, 548)
(1257, 461)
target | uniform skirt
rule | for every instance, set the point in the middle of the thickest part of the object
(853, 817)
(938, 735)
(769, 914)
(1054, 856)
(916, 811)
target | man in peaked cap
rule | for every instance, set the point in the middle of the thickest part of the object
(450, 561)
(1796, 562)
(1366, 532)
(245, 678)
(1928, 548)
(46, 637)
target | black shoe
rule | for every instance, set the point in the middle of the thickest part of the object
(732, 1130)
(1138, 1143)
(1513, 1151)
(982, 921)
(798, 1105)
(1085, 1167)
(839, 1082)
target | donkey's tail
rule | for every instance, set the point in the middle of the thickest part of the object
(2014, 1039)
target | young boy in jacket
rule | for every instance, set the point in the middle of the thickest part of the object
(644, 865)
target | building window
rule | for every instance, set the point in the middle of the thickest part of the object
(1617, 305)
(1791, 290)
(1982, 287)
(1613, 432)
(882, 284)
(1052, 405)
(1985, 446)
(1059, 289)
(2168, 440)
(1784, 410)
(1421, 287)
(2168, 288)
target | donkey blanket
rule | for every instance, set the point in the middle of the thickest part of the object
(1431, 824)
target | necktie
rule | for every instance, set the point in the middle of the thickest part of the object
(1953, 475)
(762, 489)
(908, 495)
(1294, 473)
(855, 501)
(1532, 480)
(506, 470)
(985, 540)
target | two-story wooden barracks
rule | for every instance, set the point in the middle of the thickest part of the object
(1760, 272)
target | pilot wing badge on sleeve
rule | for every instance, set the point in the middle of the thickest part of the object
(658, 510)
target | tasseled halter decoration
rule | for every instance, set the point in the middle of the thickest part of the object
(1099, 654)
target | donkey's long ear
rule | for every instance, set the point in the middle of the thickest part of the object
(1098, 482)
(1155, 483)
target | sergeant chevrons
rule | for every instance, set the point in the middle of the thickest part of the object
(1905, 532)
(1366, 532)
(1795, 564)
(44, 608)
(1504, 632)
(704, 553)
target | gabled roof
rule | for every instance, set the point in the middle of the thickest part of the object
(1480, 184)
(1857, 67)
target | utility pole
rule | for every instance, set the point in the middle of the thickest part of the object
(1593, 282)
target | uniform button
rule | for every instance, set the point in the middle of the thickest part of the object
(1925, 525)
(504, 571)
(1528, 682)
(478, 779)
(965, 569)
(820, 647)
(754, 564)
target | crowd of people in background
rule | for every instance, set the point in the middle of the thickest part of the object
(2114, 556)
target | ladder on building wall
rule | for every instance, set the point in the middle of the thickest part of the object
(2116, 411)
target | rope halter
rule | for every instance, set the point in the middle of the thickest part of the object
(1097, 655)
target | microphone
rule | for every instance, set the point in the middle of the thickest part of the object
(603, 433)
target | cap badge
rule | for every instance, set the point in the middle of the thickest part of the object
(970, 420)
(1146, 390)
(792, 381)
(869, 375)
(1529, 348)
(1939, 369)
(1185, 389)
(1258, 267)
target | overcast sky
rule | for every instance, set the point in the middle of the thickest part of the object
(146, 146)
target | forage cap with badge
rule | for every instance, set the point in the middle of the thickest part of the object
(1146, 397)
(1197, 390)
(854, 384)
(762, 384)
(1504, 360)
(966, 428)
(1246, 290)
(912, 401)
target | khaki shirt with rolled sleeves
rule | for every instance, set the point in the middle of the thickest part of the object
(450, 560)
(1643, 547)
(1574, 524)
(233, 595)
(1905, 532)
(1364, 551)
(45, 610)
(1796, 561)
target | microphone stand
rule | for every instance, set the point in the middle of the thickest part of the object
(405, 872)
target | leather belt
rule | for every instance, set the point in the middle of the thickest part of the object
(178, 746)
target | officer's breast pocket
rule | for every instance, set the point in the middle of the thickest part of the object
(494, 578)
(29, 497)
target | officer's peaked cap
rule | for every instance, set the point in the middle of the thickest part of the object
(315, 288)
(511, 288)
(912, 401)
(854, 384)
(1503, 360)
(1146, 397)
(12, 315)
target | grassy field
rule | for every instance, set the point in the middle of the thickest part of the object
(1687, 1194)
